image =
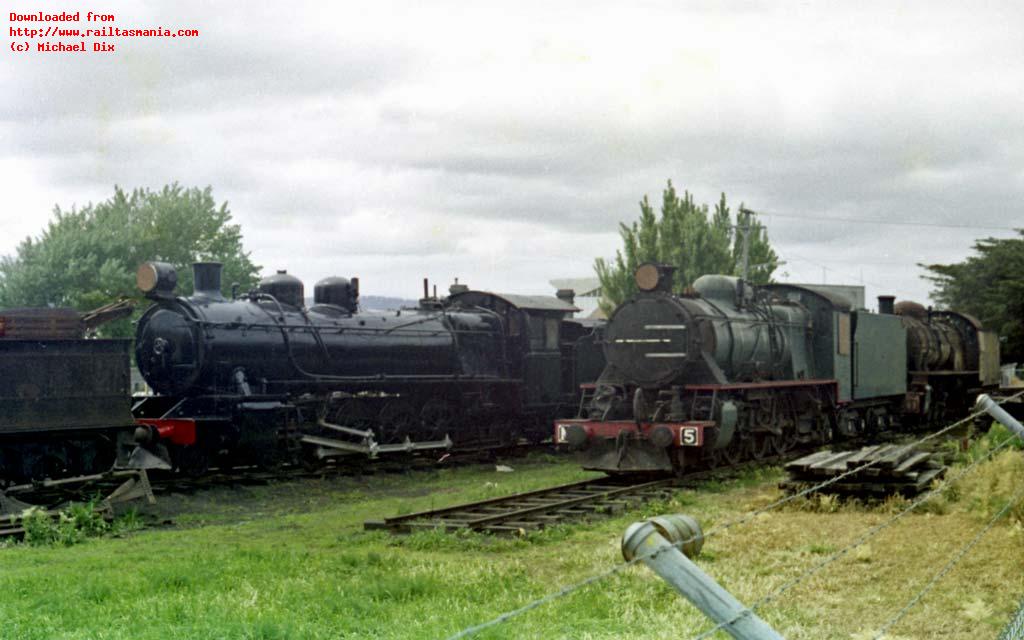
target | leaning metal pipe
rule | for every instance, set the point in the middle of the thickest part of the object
(657, 541)
(1000, 414)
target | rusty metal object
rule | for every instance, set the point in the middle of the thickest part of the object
(934, 345)
(947, 341)
(107, 313)
(129, 485)
(41, 324)
(62, 323)
(532, 510)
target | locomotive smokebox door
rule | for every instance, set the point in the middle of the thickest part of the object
(168, 350)
(647, 339)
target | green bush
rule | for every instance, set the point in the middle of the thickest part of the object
(998, 434)
(72, 525)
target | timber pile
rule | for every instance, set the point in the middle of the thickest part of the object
(895, 469)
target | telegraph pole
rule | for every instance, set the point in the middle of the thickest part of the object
(745, 229)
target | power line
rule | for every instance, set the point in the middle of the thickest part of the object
(790, 254)
(899, 223)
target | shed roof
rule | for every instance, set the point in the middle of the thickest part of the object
(835, 299)
(528, 303)
(584, 287)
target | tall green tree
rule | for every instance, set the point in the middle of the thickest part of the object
(692, 237)
(87, 257)
(989, 285)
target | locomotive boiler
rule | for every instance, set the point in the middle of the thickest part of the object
(268, 341)
(726, 371)
(950, 356)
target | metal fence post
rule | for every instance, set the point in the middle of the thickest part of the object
(1000, 414)
(656, 542)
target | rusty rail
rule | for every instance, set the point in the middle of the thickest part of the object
(532, 510)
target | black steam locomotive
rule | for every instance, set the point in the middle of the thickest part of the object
(727, 371)
(262, 378)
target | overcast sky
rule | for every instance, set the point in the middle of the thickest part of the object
(502, 143)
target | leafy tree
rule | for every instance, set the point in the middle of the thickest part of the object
(87, 257)
(689, 236)
(990, 286)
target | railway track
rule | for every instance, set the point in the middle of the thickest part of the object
(51, 497)
(533, 510)
(520, 513)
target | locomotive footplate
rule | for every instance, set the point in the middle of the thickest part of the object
(624, 445)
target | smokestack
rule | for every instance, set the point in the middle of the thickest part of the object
(886, 304)
(206, 279)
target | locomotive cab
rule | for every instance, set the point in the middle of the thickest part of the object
(533, 340)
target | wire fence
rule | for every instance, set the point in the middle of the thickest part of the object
(1015, 627)
(948, 567)
(747, 517)
(870, 533)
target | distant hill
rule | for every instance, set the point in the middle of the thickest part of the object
(384, 303)
(378, 303)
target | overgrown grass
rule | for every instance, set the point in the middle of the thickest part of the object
(292, 561)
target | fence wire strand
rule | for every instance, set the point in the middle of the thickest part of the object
(572, 588)
(846, 474)
(948, 567)
(1015, 627)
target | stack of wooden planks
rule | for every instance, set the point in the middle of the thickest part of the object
(893, 469)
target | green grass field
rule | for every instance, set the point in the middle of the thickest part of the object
(292, 561)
